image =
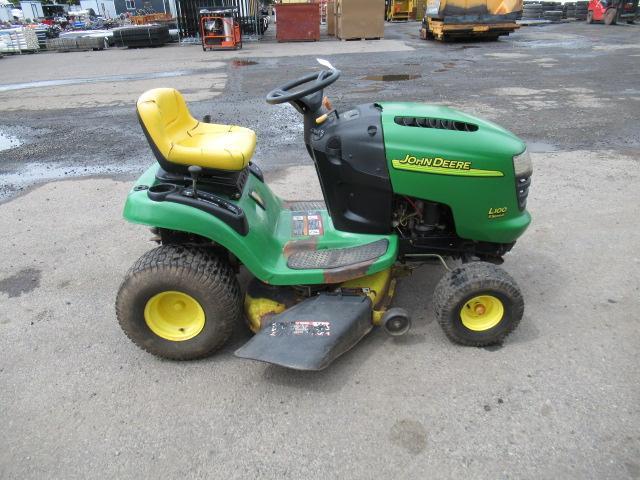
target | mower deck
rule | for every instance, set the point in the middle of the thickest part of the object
(313, 333)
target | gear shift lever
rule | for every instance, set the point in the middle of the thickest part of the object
(195, 172)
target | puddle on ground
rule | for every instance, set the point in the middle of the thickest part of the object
(242, 63)
(37, 173)
(106, 78)
(7, 142)
(551, 43)
(391, 78)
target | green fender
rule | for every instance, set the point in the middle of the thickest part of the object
(265, 249)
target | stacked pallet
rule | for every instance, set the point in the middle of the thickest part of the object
(76, 44)
(6, 44)
(18, 40)
(42, 34)
(141, 36)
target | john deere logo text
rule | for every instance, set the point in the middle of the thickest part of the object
(435, 162)
(441, 166)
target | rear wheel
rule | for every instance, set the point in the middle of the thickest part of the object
(478, 304)
(179, 302)
(611, 16)
(590, 17)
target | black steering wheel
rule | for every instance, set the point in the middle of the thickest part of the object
(318, 82)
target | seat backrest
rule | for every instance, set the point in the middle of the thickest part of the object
(164, 117)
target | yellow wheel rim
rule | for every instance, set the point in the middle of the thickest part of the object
(174, 316)
(482, 313)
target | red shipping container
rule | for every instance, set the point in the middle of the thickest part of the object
(298, 22)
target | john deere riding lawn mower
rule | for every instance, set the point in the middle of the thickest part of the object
(404, 184)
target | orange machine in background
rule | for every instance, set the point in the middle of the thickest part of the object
(220, 29)
(151, 18)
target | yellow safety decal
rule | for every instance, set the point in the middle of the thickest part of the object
(441, 166)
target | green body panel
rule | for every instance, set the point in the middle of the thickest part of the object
(487, 184)
(262, 250)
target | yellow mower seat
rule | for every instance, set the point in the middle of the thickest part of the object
(178, 138)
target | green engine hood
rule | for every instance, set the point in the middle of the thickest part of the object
(489, 142)
(446, 156)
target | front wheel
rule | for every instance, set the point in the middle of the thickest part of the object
(478, 304)
(179, 303)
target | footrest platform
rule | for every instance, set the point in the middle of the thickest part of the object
(337, 257)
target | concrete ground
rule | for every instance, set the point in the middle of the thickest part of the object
(558, 400)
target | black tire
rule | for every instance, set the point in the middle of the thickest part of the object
(611, 16)
(194, 271)
(471, 280)
(590, 17)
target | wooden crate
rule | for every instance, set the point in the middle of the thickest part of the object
(331, 18)
(360, 19)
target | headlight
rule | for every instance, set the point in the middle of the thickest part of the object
(522, 164)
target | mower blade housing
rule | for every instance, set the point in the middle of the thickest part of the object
(312, 334)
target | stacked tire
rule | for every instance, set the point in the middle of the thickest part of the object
(532, 11)
(141, 36)
(582, 6)
(552, 15)
(570, 10)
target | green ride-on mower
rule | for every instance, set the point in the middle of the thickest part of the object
(404, 184)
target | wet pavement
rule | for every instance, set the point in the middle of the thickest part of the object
(557, 84)
(101, 79)
(559, 399)
(8, 142)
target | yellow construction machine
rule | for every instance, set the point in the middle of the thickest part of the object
(451, 19)
(400, 10)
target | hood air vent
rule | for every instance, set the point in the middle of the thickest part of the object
(439, 123)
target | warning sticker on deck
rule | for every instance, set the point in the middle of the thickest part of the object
(309, 328)
(307, 224)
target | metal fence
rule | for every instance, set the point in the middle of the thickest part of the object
(188, 14)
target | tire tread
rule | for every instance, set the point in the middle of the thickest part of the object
(194, 264)
(461, 282)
